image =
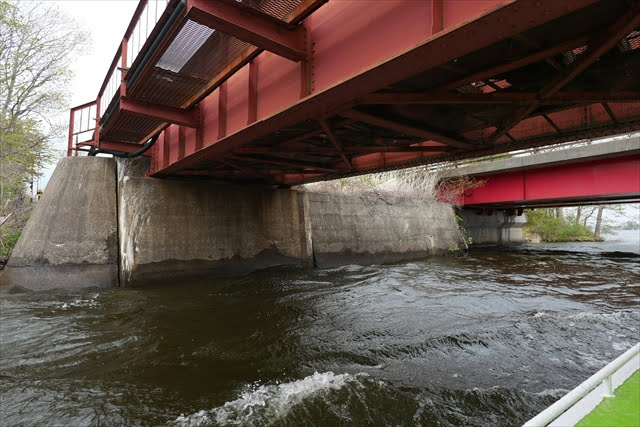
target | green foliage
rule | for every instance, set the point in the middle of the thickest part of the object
(554, 229)
(11, 229)
(608, 229)
(463, 231)
(37, 43)
(630, 225)
(8, 240)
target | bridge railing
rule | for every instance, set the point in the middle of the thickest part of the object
(144, 20)
(600, 384)
(112, 82)
(82, 126)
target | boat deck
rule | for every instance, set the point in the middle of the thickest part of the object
(621, 410)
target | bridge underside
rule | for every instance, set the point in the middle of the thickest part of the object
(360, 86)
(615, 180)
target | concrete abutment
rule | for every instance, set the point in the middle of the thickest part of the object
(171, 229)
(102, 223)
(70, 241)
(496, 228)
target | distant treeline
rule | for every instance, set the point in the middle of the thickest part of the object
(553, 226)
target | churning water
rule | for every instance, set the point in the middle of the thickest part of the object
(489, 339)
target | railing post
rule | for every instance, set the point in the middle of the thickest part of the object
(71, 119)
(607, 387)
(96, 132)
(123, 66)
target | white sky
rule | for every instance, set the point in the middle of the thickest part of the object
(106, 21)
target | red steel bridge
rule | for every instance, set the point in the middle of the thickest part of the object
(606, 172)
(291, 91)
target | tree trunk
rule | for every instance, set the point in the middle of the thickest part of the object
(598, 222)
(588, 215)
(559, 213)
(578, 213)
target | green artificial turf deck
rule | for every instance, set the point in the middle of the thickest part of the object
(618, 411)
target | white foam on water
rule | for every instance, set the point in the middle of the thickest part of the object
(615, 317)
(90, 302)
(553, 392)
(621, 346)
(266, 404)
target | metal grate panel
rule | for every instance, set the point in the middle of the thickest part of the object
(190, 38)
(277, 8)
(177, 76)
(579, 117)
(125, 127)
(531, 127)
(625, 111)
(479, 135)
(598, 115)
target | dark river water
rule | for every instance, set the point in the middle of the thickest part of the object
(488, 339)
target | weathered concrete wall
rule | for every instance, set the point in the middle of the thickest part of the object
(70, 240)
(496, 228)
(350, 229)
(102, 223)
(170, 229)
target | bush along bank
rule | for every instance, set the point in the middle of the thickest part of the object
(554, 228)
(468, 241)
(10, 231)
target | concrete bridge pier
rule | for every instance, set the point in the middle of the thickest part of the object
(495, 228)
(170, 229)
(102, 223)
(71, 238)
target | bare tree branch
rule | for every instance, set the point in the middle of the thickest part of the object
(37, 43)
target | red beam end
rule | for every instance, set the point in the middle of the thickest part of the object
(251, 26)
(189, 118)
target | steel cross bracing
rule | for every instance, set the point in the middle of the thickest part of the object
(285, 92)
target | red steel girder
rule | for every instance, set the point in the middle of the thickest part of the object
(383, 164)
(335, 141)
(189, 118)
(420, 132)
(598, 46)
(251, 26)
(615, 178)
(436, 50)
(124, 147)
(282, 162)
(245, 169)
(293, 143)
(439, 98)
(349, 150)
(304, 9)
(518, 63)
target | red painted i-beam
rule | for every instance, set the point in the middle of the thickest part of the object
(604, 179)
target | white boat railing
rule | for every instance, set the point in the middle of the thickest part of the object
(595, 388)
